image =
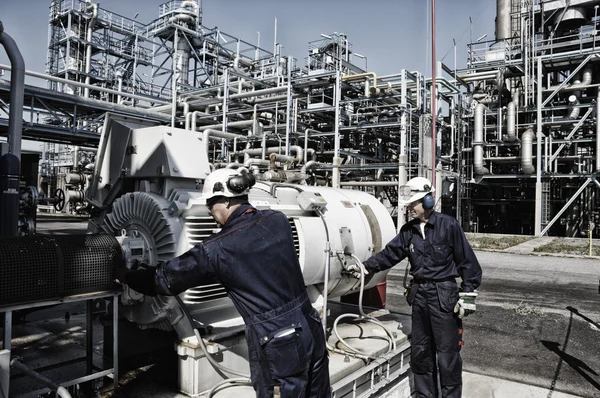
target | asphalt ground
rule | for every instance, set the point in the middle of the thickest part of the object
(537, 321)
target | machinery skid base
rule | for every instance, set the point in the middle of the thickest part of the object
(386, 376)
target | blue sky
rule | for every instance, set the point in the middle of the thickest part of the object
(392, 34)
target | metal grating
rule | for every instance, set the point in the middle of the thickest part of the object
(38, 267)
(199, 228)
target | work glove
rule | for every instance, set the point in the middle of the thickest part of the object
(354, 270)
(465, 305)
(131, 265)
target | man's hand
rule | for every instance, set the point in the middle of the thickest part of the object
(122, 274)
(466, 304)
(355, 271)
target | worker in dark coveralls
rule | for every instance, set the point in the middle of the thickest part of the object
(438, 251)
(254, 258)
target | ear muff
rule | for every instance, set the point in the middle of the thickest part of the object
(428, 202)
(240, 182)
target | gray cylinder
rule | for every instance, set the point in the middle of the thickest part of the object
(527, 152)
(75, 196)
(75, 178)
(9, 194)
(503, 19)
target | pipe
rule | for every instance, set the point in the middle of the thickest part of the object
(61, 391)
(527, 151)
(361, 76)
(598, 132)
(574, 109)
(211, 134)
(586, 80)
(511, 135)
(17, 93)
(104, 105)
(369, 183)
(261, 162)
(88, 55)
(240, 123)
(97, 88)
(263, 151)
(274, 157)
(479, 169)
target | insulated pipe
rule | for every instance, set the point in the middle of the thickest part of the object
(261, 162)
(574, 110)
(194, 119)
(364, 76)
(263, 151)
(212, 134)
(586, 80)
(527, 152)
(240, 123)
(88, 56)
(219, 98)
(598, 132)
(478, 142)
(510, 122)
(309, 130)
(17, 92)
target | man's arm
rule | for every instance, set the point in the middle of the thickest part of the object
(466, 263)
(392, 254)
(174, 276)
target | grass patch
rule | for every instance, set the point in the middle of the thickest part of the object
(499, 243)
(566, 248)
(526, 309)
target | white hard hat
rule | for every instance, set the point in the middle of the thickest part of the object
(227, 182)
(416, 188)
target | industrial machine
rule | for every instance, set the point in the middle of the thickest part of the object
(145, 190)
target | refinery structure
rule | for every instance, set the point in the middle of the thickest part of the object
(517, 134)
(132, 117)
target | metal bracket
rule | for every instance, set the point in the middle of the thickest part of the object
(4, 372)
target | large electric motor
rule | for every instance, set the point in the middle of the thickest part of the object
(165, 217)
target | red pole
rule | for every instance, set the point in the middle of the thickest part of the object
(433, 96)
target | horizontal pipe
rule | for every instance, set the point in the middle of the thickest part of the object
(369, 183)
(104, 105)
(83, 85)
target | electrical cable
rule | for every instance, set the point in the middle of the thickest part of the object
(363, 316)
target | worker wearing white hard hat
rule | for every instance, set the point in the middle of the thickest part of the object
(438, 253)
(254, 258)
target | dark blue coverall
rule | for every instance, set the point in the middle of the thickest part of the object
(254, 258)
(436, 262)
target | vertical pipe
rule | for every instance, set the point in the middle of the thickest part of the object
(288, 113)
(538, 182)
(478, 140)
(598, 132)
(17, 88)
(433, 96)
(174, 79)
(88, 55)
(336, 155)
(115, 341)
(275, 40)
